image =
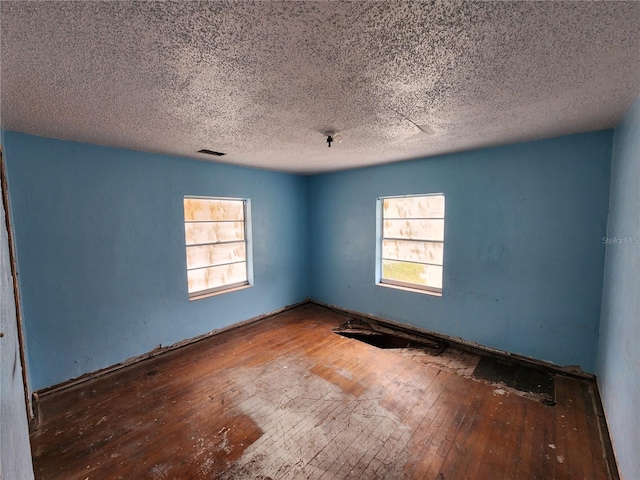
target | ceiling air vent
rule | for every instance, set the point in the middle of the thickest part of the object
(211, 152)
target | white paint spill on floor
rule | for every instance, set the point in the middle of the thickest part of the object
(313, 428)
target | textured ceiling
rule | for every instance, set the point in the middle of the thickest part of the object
(261, 80)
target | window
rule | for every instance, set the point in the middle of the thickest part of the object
(410, 248)
(217, 242)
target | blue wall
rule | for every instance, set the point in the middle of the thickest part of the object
(15, 451)
(523, 244)
(101, 247)
(619, 355)
(101, 256)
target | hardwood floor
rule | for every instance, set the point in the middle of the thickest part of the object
(286, 398)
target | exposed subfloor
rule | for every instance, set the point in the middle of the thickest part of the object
(286, 398)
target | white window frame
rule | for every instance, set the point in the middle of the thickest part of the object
(385, 282)
(199, 294)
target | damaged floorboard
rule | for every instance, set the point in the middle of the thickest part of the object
(286, 398)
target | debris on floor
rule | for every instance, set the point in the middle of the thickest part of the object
(509, 377)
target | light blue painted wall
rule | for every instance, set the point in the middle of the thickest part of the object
(523, 244)
(101, 256)
(15, 451)
(619, 355)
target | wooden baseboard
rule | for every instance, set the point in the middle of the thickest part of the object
(476, 348)
(294, 373)
(460, 343)
(605, 438)
(456, 342)
(39, 394)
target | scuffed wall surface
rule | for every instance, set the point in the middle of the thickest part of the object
(619, 356)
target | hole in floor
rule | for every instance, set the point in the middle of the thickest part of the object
(519, 377)
(382, 338)
(529, 382)
(385, 341)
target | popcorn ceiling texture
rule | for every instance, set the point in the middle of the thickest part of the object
(261, 81)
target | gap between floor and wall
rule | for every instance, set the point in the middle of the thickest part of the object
(455, 342)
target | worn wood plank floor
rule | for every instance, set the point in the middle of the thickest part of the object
(285, 398)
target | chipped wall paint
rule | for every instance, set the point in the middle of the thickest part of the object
(619, 356)
(101, 257)
(15, 451)
(523, 245)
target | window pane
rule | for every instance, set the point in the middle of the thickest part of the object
(425, 275)
(213, 232)
(207, 209)
(207, 255)
(425, 252)
(428, 206)
(213, 277)
(414, 229)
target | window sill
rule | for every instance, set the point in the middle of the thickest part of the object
(200, 296)
(409, 289)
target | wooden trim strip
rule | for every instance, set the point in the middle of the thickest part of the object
(461, 343)
(475, 348)
(155, 353)
(605, 438)
(16, 288)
